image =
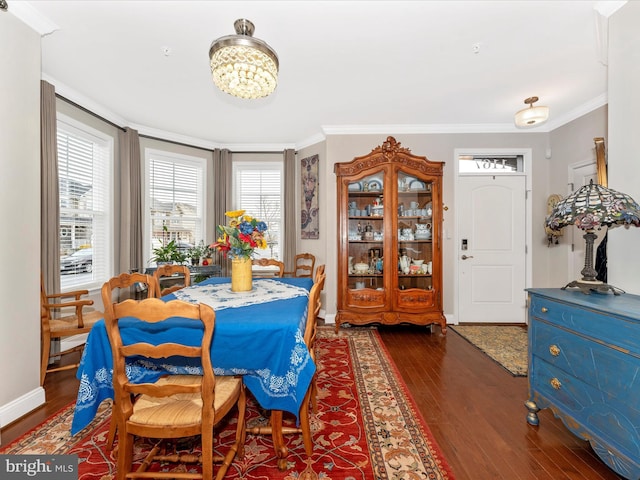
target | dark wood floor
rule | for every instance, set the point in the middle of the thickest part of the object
(474, 408)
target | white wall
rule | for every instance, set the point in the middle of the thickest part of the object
(624, 140)
(20, 242)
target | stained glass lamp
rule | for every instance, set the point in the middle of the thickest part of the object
(588, 208)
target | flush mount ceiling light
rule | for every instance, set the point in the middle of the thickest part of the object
(532, 116)
(243, 66)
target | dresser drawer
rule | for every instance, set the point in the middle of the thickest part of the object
(612, 330)
(610, 371)
(585, 410)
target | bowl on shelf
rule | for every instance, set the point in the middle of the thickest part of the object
(361, 268)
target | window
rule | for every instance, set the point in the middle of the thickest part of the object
(258, 189)
(175, 200)
(85, 159)
(491, 164)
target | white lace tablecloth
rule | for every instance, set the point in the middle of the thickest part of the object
(219, 296)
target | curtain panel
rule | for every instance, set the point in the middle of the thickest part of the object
(222, 173)
(289, 210)
(49, 196)
(129, 245)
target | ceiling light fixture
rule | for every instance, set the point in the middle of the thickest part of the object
(244, 66)
(532, 116)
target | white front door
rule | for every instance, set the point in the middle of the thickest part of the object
(491, 251)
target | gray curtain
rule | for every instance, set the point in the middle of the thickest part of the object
(221, 199)
(289, 210)
(129, 247)
(49, 194)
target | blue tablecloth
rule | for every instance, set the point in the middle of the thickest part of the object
(263, 342)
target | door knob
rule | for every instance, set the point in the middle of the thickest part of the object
(464, 257)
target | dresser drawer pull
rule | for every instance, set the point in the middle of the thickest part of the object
(555, 383)
(544, 309)
(554, 350)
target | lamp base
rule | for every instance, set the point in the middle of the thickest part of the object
(587, 287)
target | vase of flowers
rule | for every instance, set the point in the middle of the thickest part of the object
(237, 241)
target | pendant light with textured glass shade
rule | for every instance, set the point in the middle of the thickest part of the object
(244, 66)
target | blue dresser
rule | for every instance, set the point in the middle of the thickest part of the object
(584, 364)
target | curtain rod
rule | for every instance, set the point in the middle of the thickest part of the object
(149, 137)
(86, 110)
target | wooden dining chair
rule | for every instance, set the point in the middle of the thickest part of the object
(267, 267)
(112, 291)
(309, 338)
(303, 265)
(311, 330)
(179, 273)
(63, 315)
(175, 406)
(319, 272)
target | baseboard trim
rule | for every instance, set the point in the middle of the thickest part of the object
(19, 407)
(330, 318)
(67, 343)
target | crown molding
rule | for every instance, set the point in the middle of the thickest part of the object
(310, 141)
(84, 101)
(608, 7)
(578, 112)
(420, 129)
(327, 130)
(25, 12)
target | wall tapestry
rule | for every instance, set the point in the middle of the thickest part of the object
(309, 221)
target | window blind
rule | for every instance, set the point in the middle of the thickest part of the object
(175, 199)
(84, 180)
(258, 189)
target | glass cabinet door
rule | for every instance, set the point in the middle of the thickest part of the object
(415, 230)
(366, 233)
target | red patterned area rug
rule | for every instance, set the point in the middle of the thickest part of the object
(367, 426)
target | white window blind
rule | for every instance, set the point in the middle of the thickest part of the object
(85, 159)
(258, 189)
(175, 199)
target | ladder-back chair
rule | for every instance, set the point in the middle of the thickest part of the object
(178, 273)
(175, 406)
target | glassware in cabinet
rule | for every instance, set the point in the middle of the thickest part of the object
(415, 232)
(366, 233)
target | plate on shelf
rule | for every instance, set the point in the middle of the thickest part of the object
(375, 186)
(417, 185)
(355, 187)
(404, 183)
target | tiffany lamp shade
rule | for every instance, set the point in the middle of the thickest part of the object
(588, 208)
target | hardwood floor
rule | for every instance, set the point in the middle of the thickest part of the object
(474, 408)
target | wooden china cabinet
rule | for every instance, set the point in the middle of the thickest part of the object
(390, 238)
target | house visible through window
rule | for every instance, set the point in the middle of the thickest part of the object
(175, 200)
(85, 159)
(258, 189)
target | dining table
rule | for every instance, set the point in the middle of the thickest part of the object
(258, 334)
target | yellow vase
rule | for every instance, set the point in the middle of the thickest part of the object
(241, 275)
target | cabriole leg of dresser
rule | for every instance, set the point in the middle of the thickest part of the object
(532, 416)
